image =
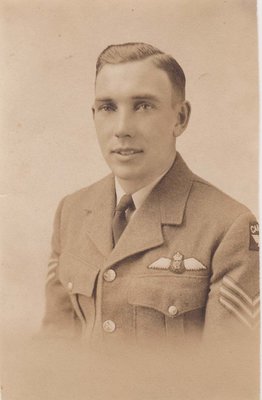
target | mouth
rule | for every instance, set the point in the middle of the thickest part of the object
(126, 151)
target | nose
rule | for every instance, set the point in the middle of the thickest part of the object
(123, 125)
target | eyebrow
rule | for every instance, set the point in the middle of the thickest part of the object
(146, 97)
(104, 99)
(137, 97)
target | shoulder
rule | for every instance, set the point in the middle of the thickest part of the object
(203, 199)
(88, 196)
(214, 203)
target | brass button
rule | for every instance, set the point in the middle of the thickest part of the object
(109, 275)
(109, 326)
(70, 286)
(172, 310)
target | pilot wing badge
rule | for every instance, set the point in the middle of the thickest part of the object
(178, 264)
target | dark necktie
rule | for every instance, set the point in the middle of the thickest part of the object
(119, 220)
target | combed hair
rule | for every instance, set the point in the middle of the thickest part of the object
(126, 52)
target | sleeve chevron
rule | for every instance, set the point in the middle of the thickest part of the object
(237, 301)
(51, 271)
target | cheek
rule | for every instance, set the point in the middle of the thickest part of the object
(99, 125)
(162, 125)
(161, 145)
(102, 141)
(159, 135)
(102, 131)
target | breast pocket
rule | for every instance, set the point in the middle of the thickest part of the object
(168, 306)
(79, 279)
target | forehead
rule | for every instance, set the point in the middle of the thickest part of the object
(132, 78)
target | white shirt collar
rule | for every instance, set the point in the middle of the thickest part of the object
(139, 196)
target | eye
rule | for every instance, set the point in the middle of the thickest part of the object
(107, 107)
(144, 106)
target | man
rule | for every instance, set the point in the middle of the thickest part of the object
(152, 252)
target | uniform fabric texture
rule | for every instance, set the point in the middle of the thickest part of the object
(182, 269)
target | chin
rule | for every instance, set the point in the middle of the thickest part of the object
(122, 169)
(126, 173)
(126, 176)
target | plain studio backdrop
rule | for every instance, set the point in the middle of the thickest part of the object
(49, 142)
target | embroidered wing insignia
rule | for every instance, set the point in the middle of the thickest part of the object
(191, 264)
(161, 263)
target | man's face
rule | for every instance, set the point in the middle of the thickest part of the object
(137, 118)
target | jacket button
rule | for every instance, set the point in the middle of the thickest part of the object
(172, 310)
(109, 326)
(70, 286)
(109, 275)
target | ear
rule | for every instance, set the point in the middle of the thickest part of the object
(183, 115)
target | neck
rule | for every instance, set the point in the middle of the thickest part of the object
(131, 187)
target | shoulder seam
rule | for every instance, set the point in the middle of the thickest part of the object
(246, 212)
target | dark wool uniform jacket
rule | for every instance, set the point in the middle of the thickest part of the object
(131, 293)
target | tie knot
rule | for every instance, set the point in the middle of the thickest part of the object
(126, 202)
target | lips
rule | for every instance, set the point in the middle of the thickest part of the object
(126, 151)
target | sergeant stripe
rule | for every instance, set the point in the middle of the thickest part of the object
(52, 265)
(232, 285)
(50, 277)
(252, 313)
(52, 262)
(239, 303)
(51, 269)
(240, 316)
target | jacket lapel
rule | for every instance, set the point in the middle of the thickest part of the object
(165, 205)
(142, 233)
(99, 213)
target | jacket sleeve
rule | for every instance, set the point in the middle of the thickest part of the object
(60, 318)
(232, 310)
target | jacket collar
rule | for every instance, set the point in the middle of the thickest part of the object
(173, 192)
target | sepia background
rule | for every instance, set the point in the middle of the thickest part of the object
(48, 140)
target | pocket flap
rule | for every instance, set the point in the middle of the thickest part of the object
(171, 295)
(76, 275)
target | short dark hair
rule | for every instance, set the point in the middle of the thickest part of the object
(126, 52)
